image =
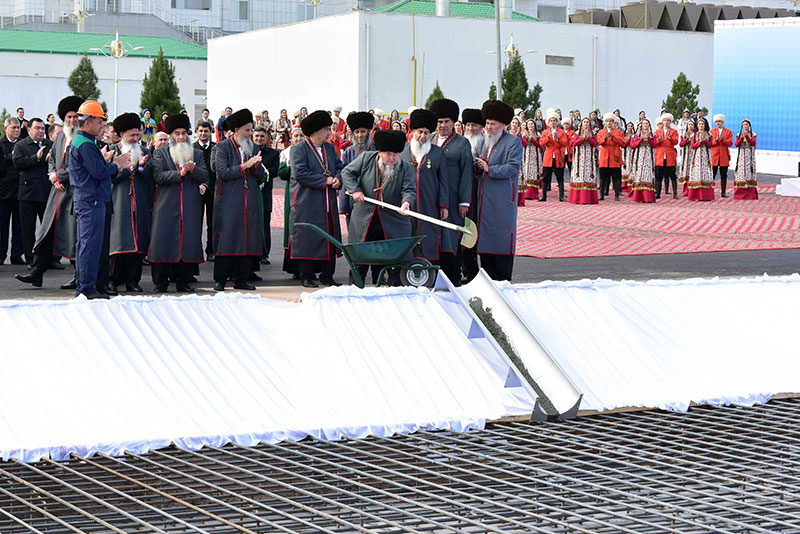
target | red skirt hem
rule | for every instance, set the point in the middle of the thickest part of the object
(685, 190)
(583, 196)
(701, 194)
(745, 193)
(643, 195)
(520, 199)
(532, 193)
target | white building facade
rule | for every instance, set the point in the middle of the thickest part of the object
(579, 66)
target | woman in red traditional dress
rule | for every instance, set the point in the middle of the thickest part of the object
(643, 173)
(701, 175)
(627, 152)
(584, 173)
(687, 154)
(283, 128)
(532, 162)
(745, 182)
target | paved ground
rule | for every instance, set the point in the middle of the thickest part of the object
(526, 269)
(664, 266)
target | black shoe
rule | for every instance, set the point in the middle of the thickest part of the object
(209, 257)
(309, 283)
(658, 196)
(328, 281)
(133, 288)
(543, 199)
(241, 284)
(160, 289)
(193, 279)
(56, 265)
(184, 288)
(265, 261)
(145, 262)
(72, 284)
(254, 278)
(616, 197)
(29, 279)
(111, 289)
(724, 194)
(17, 261)
(675, 195)
(219, 286)
(98, 295)
(2, 261)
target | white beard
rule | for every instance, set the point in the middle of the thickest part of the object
(180, 152)
(135, 151)
(419, 151)
(248, 147)
(473, 141)
(69, 133)
(387, 171)
(491, 140)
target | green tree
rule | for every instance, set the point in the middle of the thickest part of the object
(516, 92)
(436, 94)
(159, 90)
(3, 116)
(83, 80)
(683, 96)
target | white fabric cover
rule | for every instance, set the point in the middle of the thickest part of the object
(789, 187)
(664, 344)
(138, 373)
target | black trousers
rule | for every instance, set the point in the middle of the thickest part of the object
(9, 215)
(236, 268)
(208, 204)
(375, 233)
(451, 265)
(547, 176)
(43, 255)
(469, 263)
(498, 266)
(610, 175)
(306, 269)
(723, 177)
(665, 173)
(162, 272)
(125, 268)
(29, 210)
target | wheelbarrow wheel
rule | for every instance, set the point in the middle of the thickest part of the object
(418, 273)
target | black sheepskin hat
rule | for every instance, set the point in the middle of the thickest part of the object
(472, 115)
(177, 121)
(361, 119)
(497, 111)
(445, 109)
(422, 118)
(67, 104)
(389, 141)
(315, 122)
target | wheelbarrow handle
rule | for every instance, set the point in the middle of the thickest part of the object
(420, 216)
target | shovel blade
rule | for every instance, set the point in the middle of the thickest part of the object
(469, 234)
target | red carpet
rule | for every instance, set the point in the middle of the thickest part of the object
(555, 229)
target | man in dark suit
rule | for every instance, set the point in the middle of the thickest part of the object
(9, 206)
(270, 159)
(205, 144)
(30, 159)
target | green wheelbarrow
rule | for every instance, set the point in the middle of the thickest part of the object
(389, 253)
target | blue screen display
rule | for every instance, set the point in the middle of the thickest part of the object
(757, 76)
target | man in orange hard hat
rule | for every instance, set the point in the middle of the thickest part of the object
(90, 171)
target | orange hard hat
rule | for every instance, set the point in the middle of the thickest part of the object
(92, 108)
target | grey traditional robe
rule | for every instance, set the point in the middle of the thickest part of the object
(431, 182)
(459, 165)
(361, 175)
(237, 207)
(58, 214)
(130, 197)
(348, 156)
(497, 196)
(177, 213)
(313, 201)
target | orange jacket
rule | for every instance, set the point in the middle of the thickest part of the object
(665, 146)
(610, 153)
(553, 147)
(720, 153)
